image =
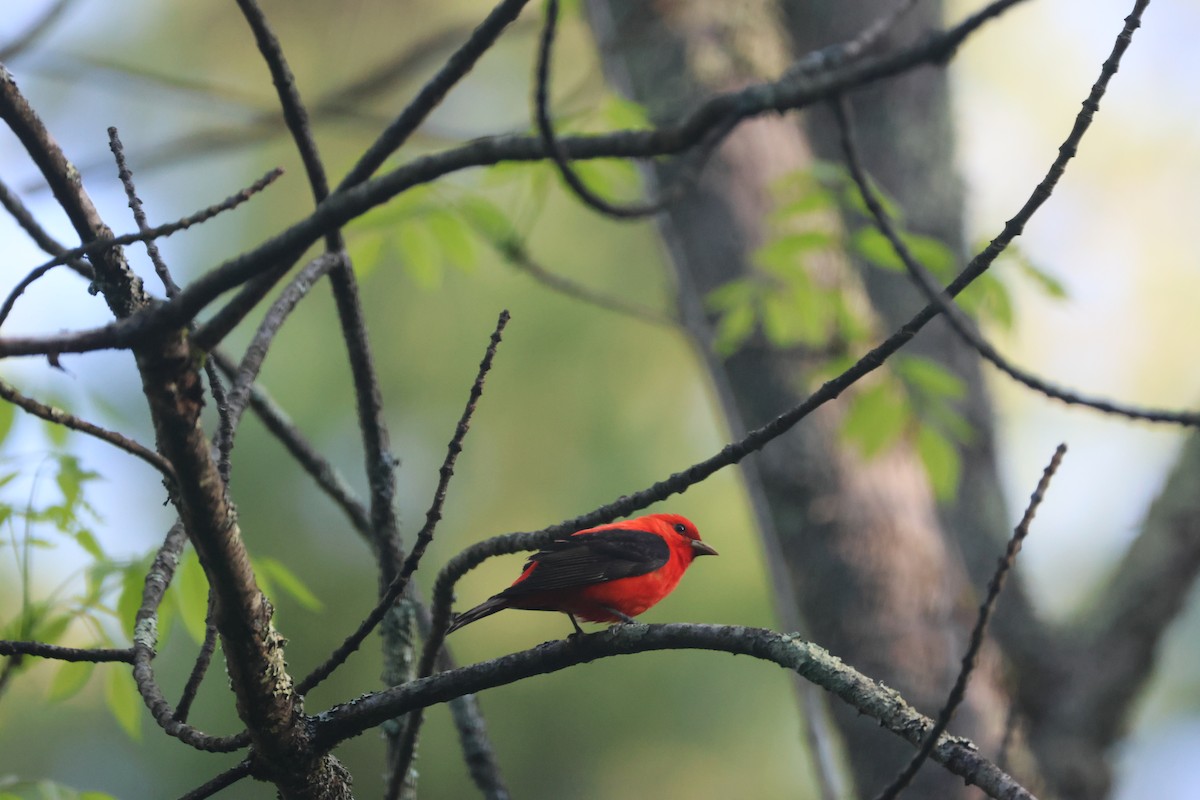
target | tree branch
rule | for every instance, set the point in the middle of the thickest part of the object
(810, 661)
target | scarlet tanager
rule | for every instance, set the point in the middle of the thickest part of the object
(610, 573)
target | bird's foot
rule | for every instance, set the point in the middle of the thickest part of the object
(622, 618)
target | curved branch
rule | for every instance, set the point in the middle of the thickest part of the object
(145, 640)
(810, 661)
(431, 94)
(959, 322)
(995, 586)
(723, 110)
(558, 154)
(67, 420)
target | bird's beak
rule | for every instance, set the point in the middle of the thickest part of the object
(699, 548)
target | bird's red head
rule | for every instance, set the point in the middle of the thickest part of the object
(676, 525)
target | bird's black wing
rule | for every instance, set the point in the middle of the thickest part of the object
(592, 558)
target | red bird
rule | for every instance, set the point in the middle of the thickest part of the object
(610, 573)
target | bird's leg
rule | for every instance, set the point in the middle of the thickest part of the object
(578, 630)
(622, 618)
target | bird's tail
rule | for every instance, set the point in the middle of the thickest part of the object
(484, 609)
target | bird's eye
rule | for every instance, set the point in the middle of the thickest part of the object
(681, 528)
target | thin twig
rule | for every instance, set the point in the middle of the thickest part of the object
(434, 91)
(558, 154)
(379, 461)
(425, 536)
(42, 650)
(478, 753)
(222, 781)
(309, 458)
(200, 666)
(838, 55)
(256, 352)
(408, 739)
(41, 237)
(959, 690)
(68, 420)
(139, 214)
(959, 321)
(167, 229)
(516, 254)
(145, 640)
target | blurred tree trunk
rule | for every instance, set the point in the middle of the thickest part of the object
(867, 559)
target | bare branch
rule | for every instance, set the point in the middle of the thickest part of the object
(516, 254)
(959, 690)
(223, 781)
(42, 650)
(810, 661)
(139, 215)
(558, 154)
(67, 420)
(145, 640)
(408, 740)
(41, 237)
(962, 325)
(101, 246)
(425, 536)
(432, 93)
(199, 667)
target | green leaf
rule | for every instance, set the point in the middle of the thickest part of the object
(7, 417)
(733, 294)
(287, 581)
(71, 478)
(940, 459)
(49, 627)
(454, 237)
(489, 221)
(733, 329)
(952, 423)
(783, 257)
(875, 420)
(57, 434)
(932, 254)
(876, 249)
(190, 588)
(988, 299)
(133, 580)
(607, 176)
(87, 540)
(1049, 284)
(622, 114)
(836, 175)
(68, 679)
(928, 378)
(123, 701)
(809, 203)
(368, 251)
(420, 254)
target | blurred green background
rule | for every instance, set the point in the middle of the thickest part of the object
(583, 404)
